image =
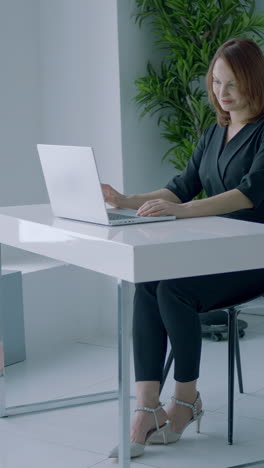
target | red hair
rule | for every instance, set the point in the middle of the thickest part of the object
(246, 60)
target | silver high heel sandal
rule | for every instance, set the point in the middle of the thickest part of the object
(169, 436)
(136, 449)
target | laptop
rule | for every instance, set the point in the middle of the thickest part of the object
(75, 190)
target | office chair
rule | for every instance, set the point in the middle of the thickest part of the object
(233, 352)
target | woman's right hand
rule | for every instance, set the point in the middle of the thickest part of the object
(112, 196)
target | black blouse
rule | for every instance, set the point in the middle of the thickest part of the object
(217, 168)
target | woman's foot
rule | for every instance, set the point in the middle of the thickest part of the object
(179, 415)
(151, 423)
(143, 422)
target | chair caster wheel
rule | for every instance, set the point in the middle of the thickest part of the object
(216, 337)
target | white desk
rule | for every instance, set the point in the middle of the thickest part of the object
(135, 253)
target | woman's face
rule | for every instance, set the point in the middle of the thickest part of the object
(226, 88)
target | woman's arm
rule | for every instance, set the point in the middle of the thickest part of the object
(118, 200)
(227, 202)
(224, 203)
(135, 201)
(182, 188)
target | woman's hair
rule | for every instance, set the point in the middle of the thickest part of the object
(246, 60)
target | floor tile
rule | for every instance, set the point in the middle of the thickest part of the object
(210, 449)
(16, 450)
(90, 427)
(81, 437)
(114, 463)
(254, 307)
(60, 373)
(251, 405)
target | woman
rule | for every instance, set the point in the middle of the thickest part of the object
(229, 164)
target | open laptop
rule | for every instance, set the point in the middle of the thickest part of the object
(75, 190)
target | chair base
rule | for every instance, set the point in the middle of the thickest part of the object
(218, 332)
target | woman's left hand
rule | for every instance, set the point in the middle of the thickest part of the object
(158, 207)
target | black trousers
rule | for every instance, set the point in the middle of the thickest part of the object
(170, 308)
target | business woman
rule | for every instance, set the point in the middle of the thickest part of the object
(228, 164)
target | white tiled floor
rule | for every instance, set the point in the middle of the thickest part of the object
(81, 437)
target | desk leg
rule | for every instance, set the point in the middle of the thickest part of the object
(2, 354)
(123, 375)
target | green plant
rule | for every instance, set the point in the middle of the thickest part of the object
(190, 31)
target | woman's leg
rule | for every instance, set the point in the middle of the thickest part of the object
(178, 305)
(171, 308)
(179, 302)
(150, 346)
(161, 309)
(149, 334)
(147, 394)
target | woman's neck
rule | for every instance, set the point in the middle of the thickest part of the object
(238, 120)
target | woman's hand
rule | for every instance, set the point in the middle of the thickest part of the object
(112, 196)
(158, 207)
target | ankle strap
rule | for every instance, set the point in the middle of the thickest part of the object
(152, 410)
(189, 405)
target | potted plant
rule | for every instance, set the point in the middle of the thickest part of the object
(189, 32)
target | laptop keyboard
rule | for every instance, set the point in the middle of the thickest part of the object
(115, 216)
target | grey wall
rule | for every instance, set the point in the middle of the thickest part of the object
(259, 6)
(20, 175)
(142, 144)
(80, 79)
(59, 83)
